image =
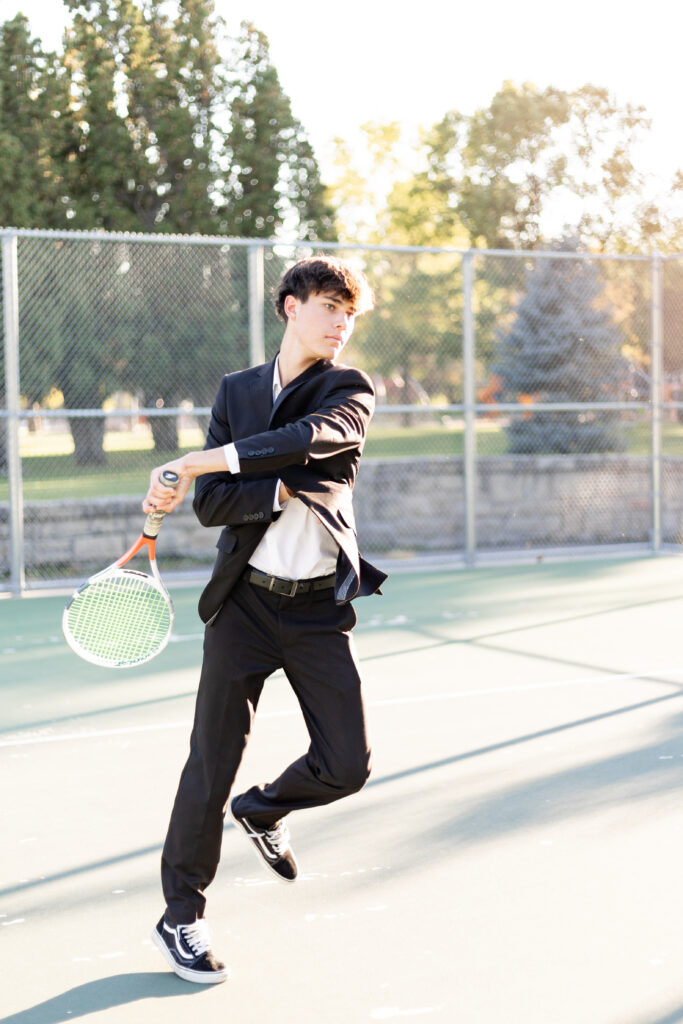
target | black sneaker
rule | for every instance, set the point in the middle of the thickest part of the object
(186, 948)
(271, 846)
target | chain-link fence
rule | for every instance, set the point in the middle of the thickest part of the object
(526, 401)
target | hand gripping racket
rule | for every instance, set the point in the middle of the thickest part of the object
(122, 617)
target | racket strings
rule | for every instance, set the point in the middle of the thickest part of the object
(120, 619)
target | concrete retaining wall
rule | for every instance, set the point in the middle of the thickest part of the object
(402, 505)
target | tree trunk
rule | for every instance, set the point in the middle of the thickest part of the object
(165, 433)
(88, 435)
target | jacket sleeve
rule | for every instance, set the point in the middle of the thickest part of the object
(222, 499)
(340, 424)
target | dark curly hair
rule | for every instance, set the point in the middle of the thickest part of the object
(317, 274)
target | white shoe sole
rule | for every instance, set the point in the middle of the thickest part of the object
(198, 977)
(262, 861)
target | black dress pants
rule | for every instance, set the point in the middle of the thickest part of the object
(255, 633)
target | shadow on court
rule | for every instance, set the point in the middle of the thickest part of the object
(672, 1017)
(619, 780)
(548, 798)
(516, 740)
(512, 808)
(96, 996)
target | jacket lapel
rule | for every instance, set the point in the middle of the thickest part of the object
(312, 371)
(261, 393)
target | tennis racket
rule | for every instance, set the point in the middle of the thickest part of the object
(122, 617)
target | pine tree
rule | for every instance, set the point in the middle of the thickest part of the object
(563, 346)
(144, 88)
(33, 100)
(131, 129)
(100, 170)
(273, 178)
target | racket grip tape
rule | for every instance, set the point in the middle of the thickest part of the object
(155, 519)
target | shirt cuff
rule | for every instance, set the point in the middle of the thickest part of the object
(277, 507)
(231, 457)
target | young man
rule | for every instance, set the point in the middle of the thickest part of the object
(277, 472)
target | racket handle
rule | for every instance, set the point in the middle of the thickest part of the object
(155, 519)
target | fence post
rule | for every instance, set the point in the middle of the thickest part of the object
(257, 348)
(656, 345)
(469, 399)
(10, 287)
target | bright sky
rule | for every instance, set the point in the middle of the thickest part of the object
(383, 60)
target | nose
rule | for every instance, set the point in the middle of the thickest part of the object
(344, 320)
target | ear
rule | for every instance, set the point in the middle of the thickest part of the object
(290, 307)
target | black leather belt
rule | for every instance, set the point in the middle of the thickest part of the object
(287, 588)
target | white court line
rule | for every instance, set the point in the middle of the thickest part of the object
(22, 741)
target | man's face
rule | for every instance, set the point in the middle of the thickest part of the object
(322, 325)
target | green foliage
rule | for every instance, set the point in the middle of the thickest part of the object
(413, 341)
(510, 162)
(273, 179)
(33, 112)
(164, 323)
(144, 123)
(563, 346)
(510, 173)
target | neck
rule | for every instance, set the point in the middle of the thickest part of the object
(291, 364)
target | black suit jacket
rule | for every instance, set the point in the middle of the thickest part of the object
(311, 438)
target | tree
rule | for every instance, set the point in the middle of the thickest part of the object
(33, 104)
(563, 347)
(143, 91)
(508, 167)
(414, 341)
(508, 164)
(500, 177)
(131, 129)
(147, 122)
(364, 172)
(272, 181)
(190, 325)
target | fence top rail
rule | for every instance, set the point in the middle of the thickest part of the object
(274, 243)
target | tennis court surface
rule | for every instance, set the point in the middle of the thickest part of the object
(515, 857)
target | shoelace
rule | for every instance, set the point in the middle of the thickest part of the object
(278, 837)
(196, 936)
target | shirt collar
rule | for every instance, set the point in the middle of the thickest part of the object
(277, 383)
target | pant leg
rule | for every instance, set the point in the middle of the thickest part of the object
(240, 651)
(321, 665)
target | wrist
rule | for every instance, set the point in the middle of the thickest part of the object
(210, 460)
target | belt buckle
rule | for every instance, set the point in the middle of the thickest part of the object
(292, 593)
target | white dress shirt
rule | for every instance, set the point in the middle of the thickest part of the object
(296, 546)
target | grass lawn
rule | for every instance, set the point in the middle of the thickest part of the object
(50, 469)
